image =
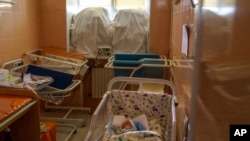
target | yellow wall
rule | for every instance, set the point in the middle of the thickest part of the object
(31, 24)
(19, 29)
(53, 23)
(160, 23)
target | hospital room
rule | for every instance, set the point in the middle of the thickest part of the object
(124, 70)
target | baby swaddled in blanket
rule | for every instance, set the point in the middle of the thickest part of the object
(138, 116)
(121, 128)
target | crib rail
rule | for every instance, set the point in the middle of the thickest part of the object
(59, 63)
(167, 63)
(49, 90)
(98, 125)
(140, 82)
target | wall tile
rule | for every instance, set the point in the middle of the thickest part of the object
(160, 26)
(53, 24)
(19, 29)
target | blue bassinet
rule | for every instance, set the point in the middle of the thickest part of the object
(61, 80)
(138, 65)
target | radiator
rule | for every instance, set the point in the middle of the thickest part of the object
(100, 79)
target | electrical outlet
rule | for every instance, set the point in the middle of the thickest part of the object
(13, 64)
(18, 63)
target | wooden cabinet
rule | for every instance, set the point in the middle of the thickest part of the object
(20, 113)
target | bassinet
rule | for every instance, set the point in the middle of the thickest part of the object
(156, 109)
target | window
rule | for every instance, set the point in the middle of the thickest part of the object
(114, 5)
(7, 1)
(126, 4)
